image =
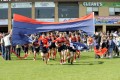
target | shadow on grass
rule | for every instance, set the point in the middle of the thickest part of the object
(83, 63)
(116, 57)
(26, 59)
(86, 57)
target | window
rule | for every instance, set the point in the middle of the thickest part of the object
(22, 9)
(111, 11)
(114, 11)
(93, 9)
(44, 10)
(3, 13)
(68, 10)
(3, 10)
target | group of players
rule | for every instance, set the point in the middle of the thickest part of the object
(52, 43)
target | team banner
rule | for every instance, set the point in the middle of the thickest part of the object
(24, 26)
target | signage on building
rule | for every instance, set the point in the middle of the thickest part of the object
(3, 5)
(65, 19)
(92, 4)
(44, 4)
(107, 20)
(3, 21)
(111, 4)
(116, 4)
(46, 19)
(21, 5)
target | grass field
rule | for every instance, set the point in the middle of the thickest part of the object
(87, 68)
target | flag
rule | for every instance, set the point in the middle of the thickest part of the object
(79, 46)
(23, 26)
(100, 51)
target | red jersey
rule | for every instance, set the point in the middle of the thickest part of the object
(78, 38)
(44, 41)
(60, 41)
(36, 44)
(73, 39)
(90, 40)
(39, 38)
(52, 38)
(67, 43)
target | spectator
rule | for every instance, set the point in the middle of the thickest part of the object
(111, 46)
(7, 43)
(98, 40)
(2, 46)
(18, 49)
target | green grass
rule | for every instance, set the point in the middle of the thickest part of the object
(87, 68)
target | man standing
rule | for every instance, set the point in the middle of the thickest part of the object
(97, 41)
(2, 46)
(7, 44)
(111, 46)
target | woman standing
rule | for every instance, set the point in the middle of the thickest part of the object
(52, 46)
(111, 46)
(60, 44)
(72, 49)
(18, 50)
(44, 45)
(35, 47)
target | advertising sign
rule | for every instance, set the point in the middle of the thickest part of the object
(3, 5)
(3, 21)
(99, 4)
(107, 20)
(21, 5)
(111, 4)
(44, 4)
(92, 4)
